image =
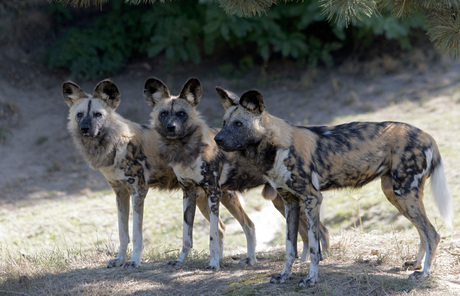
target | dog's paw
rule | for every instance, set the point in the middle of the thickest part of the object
(115, 263)
(307, 282)
(130, 265)
(175, 263)
(412, 265)
(212, 267)
(418, 275)
(247, 261)
(278, 278)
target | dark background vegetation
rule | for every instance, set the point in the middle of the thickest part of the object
(96, 42)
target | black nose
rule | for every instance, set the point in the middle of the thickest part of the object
(171, 127)
(219, 139)
(84, 129)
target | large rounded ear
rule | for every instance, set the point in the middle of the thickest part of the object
(154, 91)
(227, 98)
(192, 91)
(253, 101)
(71, 93)
(108, 92)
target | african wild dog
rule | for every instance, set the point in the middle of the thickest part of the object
(299, 162)
(187, 145)
(127, 155)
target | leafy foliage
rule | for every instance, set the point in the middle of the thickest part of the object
(186, 30)
(99, 50)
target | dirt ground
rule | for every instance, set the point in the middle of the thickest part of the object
(37, 157)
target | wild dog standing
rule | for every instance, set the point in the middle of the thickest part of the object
(187, 145)
(127, 155)
(301, 161)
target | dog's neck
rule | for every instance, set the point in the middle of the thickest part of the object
(183, 150)
(261, 155)
(278, 131)
(99, 151)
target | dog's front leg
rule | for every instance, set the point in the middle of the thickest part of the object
(312, 206)
(215, 248)
(123, 220)
(137, 199)
(189, 207)
(292, 214)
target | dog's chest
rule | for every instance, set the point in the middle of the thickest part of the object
(129, 167)
(113, 173)
(279, 175)
(187, 173)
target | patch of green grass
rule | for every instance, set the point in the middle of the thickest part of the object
(250, 285)
(397, 284)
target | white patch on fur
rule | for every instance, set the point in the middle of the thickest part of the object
(315, 180)
(192, 172)
(418, 177)
(398, 192)
(380, 170)
(156, 96)
(279, 174)
(104, 96)
(190, 98)
(224, 174)
(113, 173)
(442, 195)
(258, 127)
(327, 133)
(74, 97)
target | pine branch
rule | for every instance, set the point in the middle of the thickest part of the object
(403, 8)
(246, 8)
(87, 3)
(83, 3)
(348, 11)
(444, 30)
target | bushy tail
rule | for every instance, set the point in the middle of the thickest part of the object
(442, 194)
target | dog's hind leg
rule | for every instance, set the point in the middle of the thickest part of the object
(411, 206)
(387, 187)
(122, 195)
(292, 213)
(231, 200)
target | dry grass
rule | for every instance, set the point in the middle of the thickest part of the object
(358, 264)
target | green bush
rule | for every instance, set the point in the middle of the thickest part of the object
(186, 30)
(100, 49)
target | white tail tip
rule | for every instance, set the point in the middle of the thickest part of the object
(442, 195)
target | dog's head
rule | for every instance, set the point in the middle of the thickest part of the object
(242, 120)
(88, 113)
(173, 116)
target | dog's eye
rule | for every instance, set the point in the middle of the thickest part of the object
(97, 114)
(164, 113)
(181, 114)
(238, 123)
(79, 114)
